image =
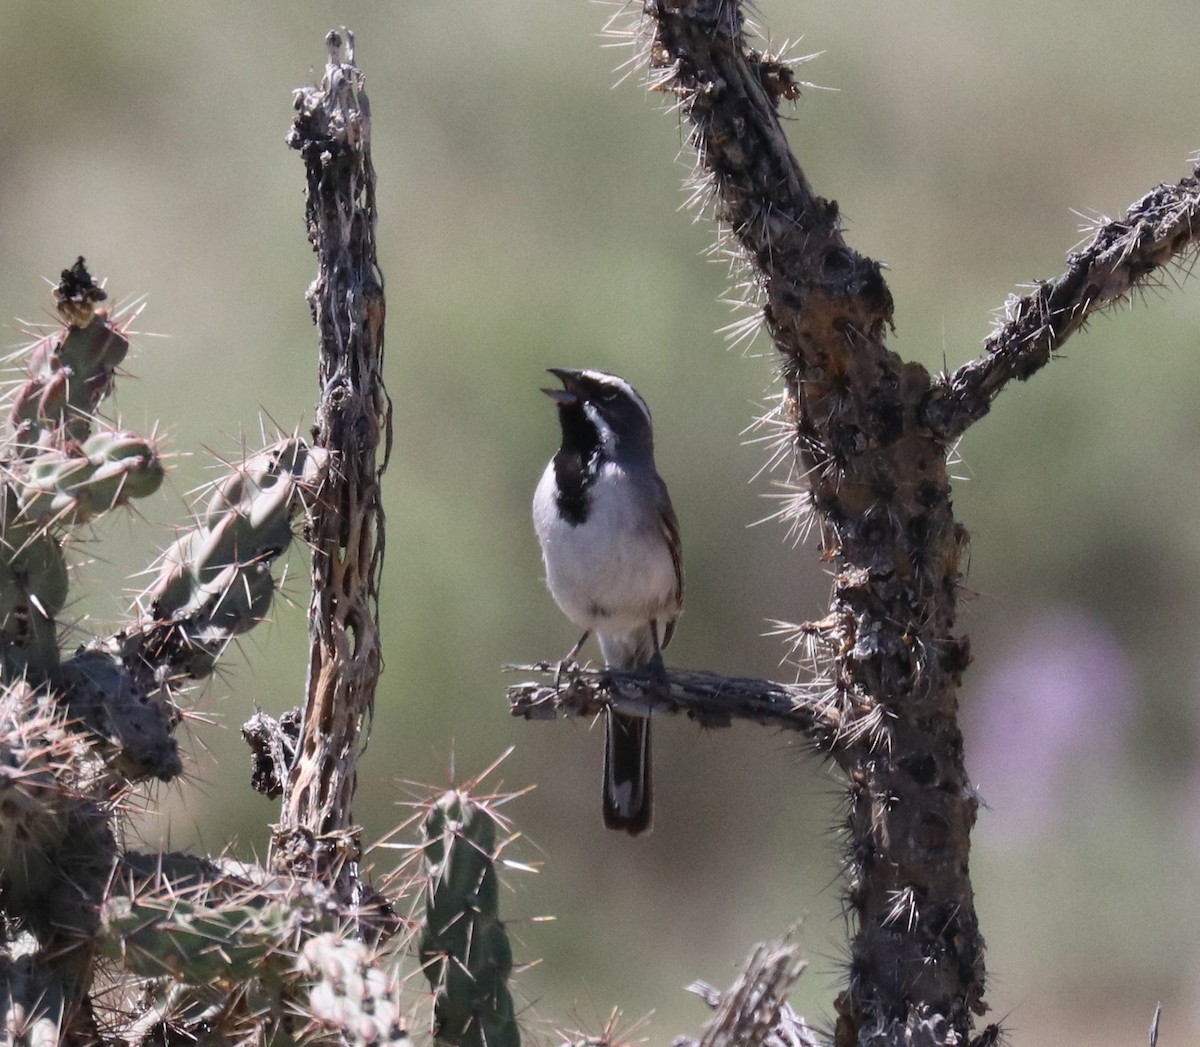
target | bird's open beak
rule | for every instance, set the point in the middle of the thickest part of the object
(568, 395)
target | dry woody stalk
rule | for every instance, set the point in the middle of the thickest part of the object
(332, 132)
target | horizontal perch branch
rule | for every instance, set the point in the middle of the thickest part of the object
(709, 698)
(1123, 254)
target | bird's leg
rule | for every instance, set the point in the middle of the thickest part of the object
(656, 667)
(570, 657)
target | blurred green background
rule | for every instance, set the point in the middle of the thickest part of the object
(530, 216)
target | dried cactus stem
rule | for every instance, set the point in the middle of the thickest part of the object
(316, 834)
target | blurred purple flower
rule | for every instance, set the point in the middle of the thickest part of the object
(1048, 718)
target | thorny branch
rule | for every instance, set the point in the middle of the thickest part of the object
(869, 434)
(1122, 255)
(877, 481)
(710, 699)
(332, 131)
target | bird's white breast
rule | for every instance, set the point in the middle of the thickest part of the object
(614, 571)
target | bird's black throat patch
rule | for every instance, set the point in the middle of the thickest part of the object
(574, 464)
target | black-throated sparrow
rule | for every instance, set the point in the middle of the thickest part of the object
(610, 542)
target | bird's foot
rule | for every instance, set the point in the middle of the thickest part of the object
(565, 667)
(569, 660)
(658, 672)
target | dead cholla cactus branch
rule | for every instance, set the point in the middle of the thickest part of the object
(755, 1011)
(712, 700)
(332, 132)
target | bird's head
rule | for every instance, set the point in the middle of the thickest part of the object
(604, 403)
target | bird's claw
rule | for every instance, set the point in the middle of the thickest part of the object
(566, 665)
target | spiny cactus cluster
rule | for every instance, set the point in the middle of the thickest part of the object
(102, 945)
(78, 729)
(267, 959)
(57, 471)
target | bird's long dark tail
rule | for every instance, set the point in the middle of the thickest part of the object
(628, 777)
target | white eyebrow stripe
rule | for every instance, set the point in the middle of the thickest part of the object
(615, 381)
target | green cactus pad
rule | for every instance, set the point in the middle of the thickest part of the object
(70, 371)
(214, 582)
(33, 748)
(201, 940)
(105, 471)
